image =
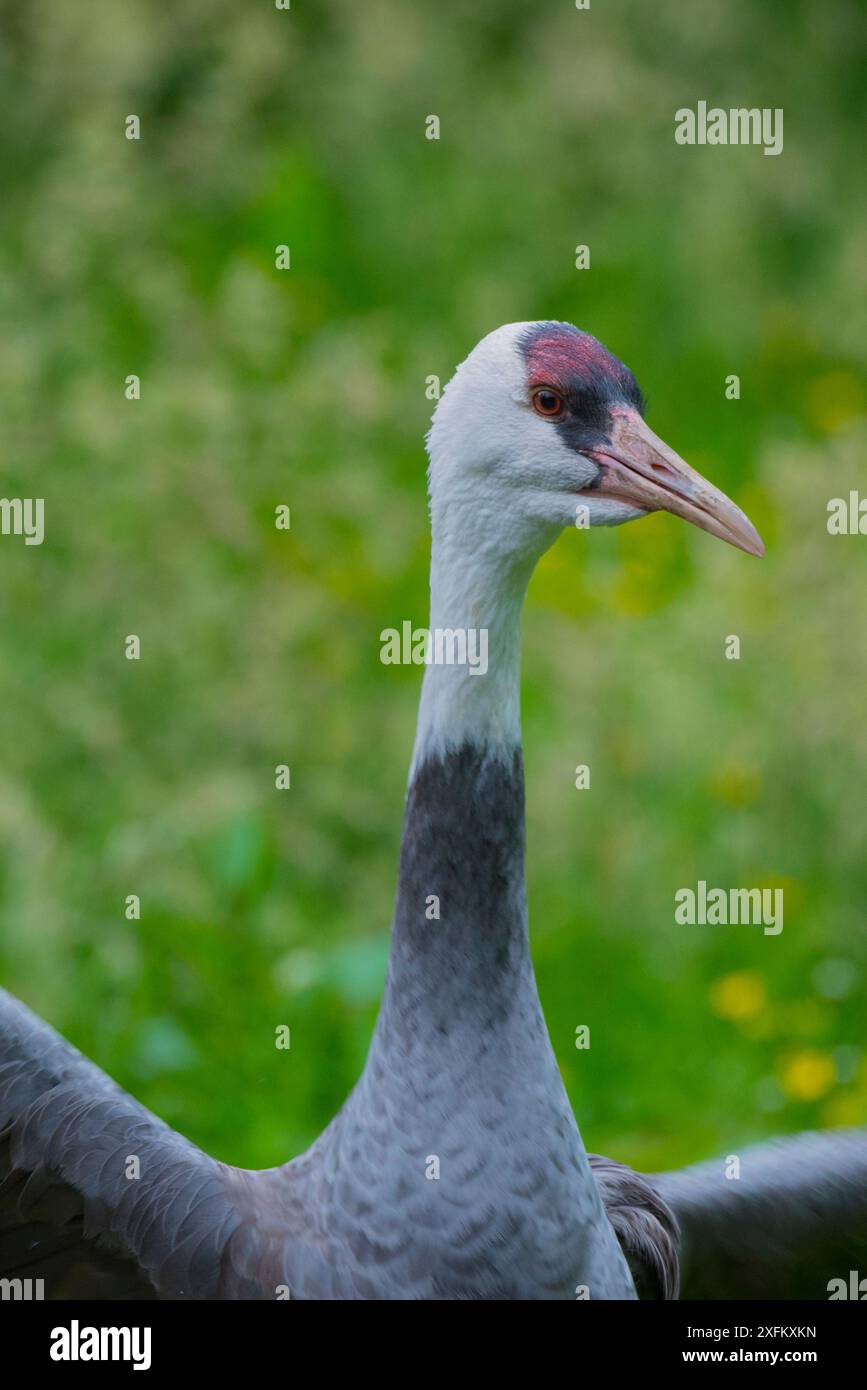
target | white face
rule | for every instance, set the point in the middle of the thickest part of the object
(491, 448)
(541, 428)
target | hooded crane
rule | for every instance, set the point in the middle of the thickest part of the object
(538, 422)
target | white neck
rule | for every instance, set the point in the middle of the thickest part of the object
(476, 585)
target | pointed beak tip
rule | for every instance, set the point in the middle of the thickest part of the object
(752, 543)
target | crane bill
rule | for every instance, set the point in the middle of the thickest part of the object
(637, 467)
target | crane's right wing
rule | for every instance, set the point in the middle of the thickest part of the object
(98, 1197)
(793, 1220)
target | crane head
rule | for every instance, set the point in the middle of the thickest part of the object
(542, 424)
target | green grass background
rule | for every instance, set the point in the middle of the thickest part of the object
(259, 647)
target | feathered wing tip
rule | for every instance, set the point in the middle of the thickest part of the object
(645, 1226)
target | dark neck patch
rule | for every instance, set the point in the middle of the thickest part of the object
(463, 842)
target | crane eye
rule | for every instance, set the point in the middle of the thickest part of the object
(547, 402)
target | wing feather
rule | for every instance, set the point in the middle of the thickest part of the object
(794, 1219)
(69, 1212)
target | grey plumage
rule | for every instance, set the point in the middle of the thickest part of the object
(462, 1060)
(794, 1219)
(644, 1224)
(68, 1213)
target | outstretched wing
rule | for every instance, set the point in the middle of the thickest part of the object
(794, 1219)
(98, 1197)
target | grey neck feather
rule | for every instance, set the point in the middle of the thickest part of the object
(460, 961)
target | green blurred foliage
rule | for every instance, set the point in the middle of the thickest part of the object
(156, 257)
